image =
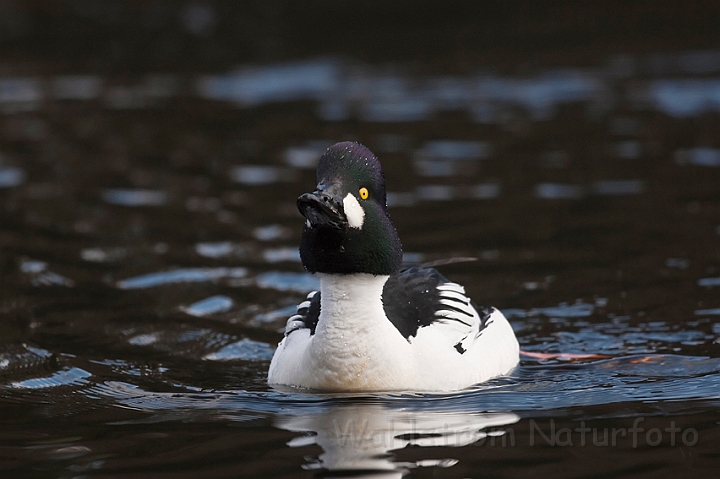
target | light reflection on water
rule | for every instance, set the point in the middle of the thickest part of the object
(186, 275)
(11, 176)
(135, 197)
(383, 97)
(208, 306)
(361, 436)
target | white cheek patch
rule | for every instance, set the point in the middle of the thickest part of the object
(354, 212)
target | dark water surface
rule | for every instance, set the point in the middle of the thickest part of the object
(149, 243)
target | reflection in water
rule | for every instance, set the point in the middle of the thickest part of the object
(448, 158)
(282, 82)
(559, 191)
(207, 306)
(219, 249)
(698, 156)
(709, 282)
(278, 255)
(306, 156)
(185, 275)
(103, 255)
(40, 275)
(271, 232)
(686, 97)
(361, 437)
(11, 176)
(63, 377)
(286, 281)
(345, 89)
(577, 310)
(260, 174)
(618, 187)
(245, 349)
(138, 197)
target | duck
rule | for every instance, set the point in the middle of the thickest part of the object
(374, 325)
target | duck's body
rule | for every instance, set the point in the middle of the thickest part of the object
(352, 345)
(371, 326)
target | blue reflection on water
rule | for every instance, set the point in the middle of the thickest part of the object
(278, 255)
(186, 275)
(18, 94)
(11, 176)
(306, 156)
(260, 174)
(698, 156)
(709, 282)
(577, 310)
(126, 197)
(245, 349)
(207, 306)
(287, 281)
(559, 191)
(219, 249)
(344, 89)
(686, 97)
(64, 377)
(282, 82)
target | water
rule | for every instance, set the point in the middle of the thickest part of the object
(149, 233)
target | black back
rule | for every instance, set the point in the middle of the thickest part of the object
(411, 298)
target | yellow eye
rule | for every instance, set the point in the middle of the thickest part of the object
(364, 193)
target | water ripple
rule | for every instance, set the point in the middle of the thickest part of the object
(654, 378)
(69, 376)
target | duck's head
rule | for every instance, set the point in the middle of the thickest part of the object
(347, 228)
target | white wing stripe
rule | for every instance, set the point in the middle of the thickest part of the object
(454, 287)
(454, 295)
(294, 323)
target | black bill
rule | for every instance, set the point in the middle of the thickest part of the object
(321, 209)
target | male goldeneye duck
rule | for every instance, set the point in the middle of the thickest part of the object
(373, 326)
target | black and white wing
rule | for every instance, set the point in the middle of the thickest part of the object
(421, 301)
(307, 315)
